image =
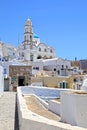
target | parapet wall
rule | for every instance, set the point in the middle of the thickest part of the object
(74, 108)
(32, 121)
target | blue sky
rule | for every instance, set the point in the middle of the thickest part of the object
(61, 24)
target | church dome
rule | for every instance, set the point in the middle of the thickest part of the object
(28, 22)
(36, 36)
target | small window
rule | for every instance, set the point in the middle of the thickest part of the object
(30, 37)
(25, 38)
(34, 68)
(13, 53)
(5, 71)
(37, 68)
(66, 66)
(54, 69)
(22, 54)
(31, 57)
(39, 49)
(51, 50)
(62, 66)
(63, 85)
(45, 50)
(58, 72)
(74, 80)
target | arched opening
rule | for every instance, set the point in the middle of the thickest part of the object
(51, 50)
(45, 50)
(31, 57)
(30, 37)
(39, 49)
(25, 38)
(39, 57)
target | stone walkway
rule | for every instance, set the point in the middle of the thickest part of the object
(8, 111)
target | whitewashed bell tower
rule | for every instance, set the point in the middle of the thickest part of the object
(29, 50)
(28, 34)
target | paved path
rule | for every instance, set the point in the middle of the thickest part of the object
(8, 111)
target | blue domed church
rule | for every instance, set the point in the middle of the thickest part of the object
(31, 48)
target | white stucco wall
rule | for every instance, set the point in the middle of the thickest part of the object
(1, 81)
(74, 108)
(54, 106)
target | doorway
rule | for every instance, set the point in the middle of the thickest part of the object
(6, 84)
(21, 81)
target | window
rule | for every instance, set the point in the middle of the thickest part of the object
(58, 72)
(22, 54)
(35, 68)
(66, 66)
(13, 53)
(25, 38)
(31, 57)
(75, 80)
(5, 71)
(30, 38)
(45, 50)
(62, 66)
(51, 50)
(63, 84)
(39, 49)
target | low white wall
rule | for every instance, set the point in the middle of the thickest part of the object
(54, 106)
(45, 104)
(74, 108)
(1, 81)
(31, 121)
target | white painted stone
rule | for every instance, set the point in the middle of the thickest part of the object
(54, 106)
(74, 108)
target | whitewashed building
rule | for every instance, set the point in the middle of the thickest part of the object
(7, 51)
(55, 66)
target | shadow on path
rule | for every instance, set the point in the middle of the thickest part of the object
(16, 123)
